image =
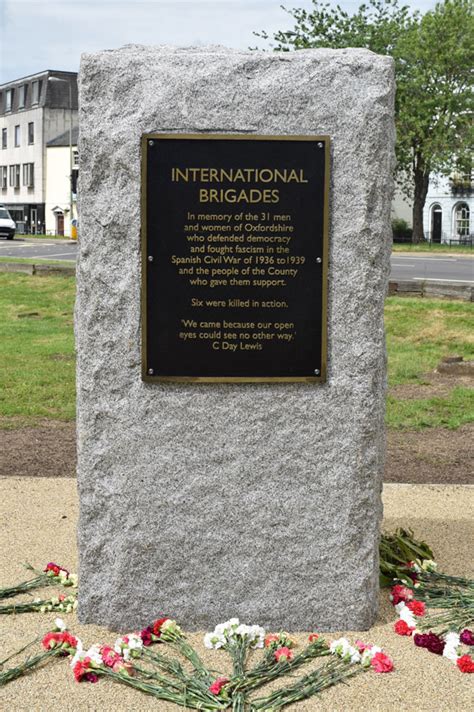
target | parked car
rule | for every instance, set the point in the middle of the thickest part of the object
(7, 225)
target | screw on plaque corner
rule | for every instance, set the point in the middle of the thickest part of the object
(151, 143)
(318, 260)
(320, 144)
(150, 258)
(151, 372)
(317, 372)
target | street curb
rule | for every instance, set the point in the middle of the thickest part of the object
(39, 270)
(429, 289)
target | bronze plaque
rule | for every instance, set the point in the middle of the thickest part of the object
(235, 250)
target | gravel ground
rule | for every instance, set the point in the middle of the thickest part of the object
(37, 524)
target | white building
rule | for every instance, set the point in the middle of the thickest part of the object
(61, 162)
(448, 211)
(33, 111)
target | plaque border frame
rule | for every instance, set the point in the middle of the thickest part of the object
(148, 378)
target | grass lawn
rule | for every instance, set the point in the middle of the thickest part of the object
(36, 347)
(37, 353)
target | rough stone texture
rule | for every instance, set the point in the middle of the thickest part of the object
(209, 501)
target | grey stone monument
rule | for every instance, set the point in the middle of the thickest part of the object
(206, 501)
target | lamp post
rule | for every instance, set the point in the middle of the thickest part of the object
(71, 198)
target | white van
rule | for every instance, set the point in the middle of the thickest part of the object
(7, 225)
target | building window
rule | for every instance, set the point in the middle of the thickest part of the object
(17, 135)
(22, 96)
(3, 177)
(36, 92)
(9, 99)
(31, 132)
(29, 175)
(15, 176)
(75, 158)
(461, 219)
(4, 138)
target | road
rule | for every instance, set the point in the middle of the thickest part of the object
(38, 248)
(440, 268)
(456, 269)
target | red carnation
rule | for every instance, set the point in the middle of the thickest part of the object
(416, 607)
(381, 663)
(402, 628)
(435, 644)
(400, 593)
(283, 654)
(465, 663)
(109, 656)
(313, 637)
(157, 626)
(271, 638)
(146, 635)
(82, 671)
(52, 567)
(49, 641)
(69, 639)
(467, 637)
(218, 684)
(421, 640)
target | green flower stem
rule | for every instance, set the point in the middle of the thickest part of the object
(169, 665)
(16, 672)
(187, 683)
(239, 702)
(23, 607)
(238, 652)
(18, 652)
(269, 669)
(184, 699)
(331, 674)
(187, 651)
(38, 582)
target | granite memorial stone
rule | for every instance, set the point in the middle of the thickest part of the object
(203, 501)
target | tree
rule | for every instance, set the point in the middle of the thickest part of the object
(433, 56)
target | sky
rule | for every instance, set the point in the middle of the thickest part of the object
(51, 34)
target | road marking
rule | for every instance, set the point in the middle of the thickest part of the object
(58, 254)
(15, 247)
(438, 279)
(428, 258)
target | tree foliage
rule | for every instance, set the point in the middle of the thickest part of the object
(434, 56)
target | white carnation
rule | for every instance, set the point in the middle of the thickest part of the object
(79, 654)
(94, 654)
(451, 648)
(407, 616)
(60, 624)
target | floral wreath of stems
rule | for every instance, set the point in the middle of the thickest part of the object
(269, 669)
(186, 698)
(189, 686)
(183, 683)
(331, 673)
